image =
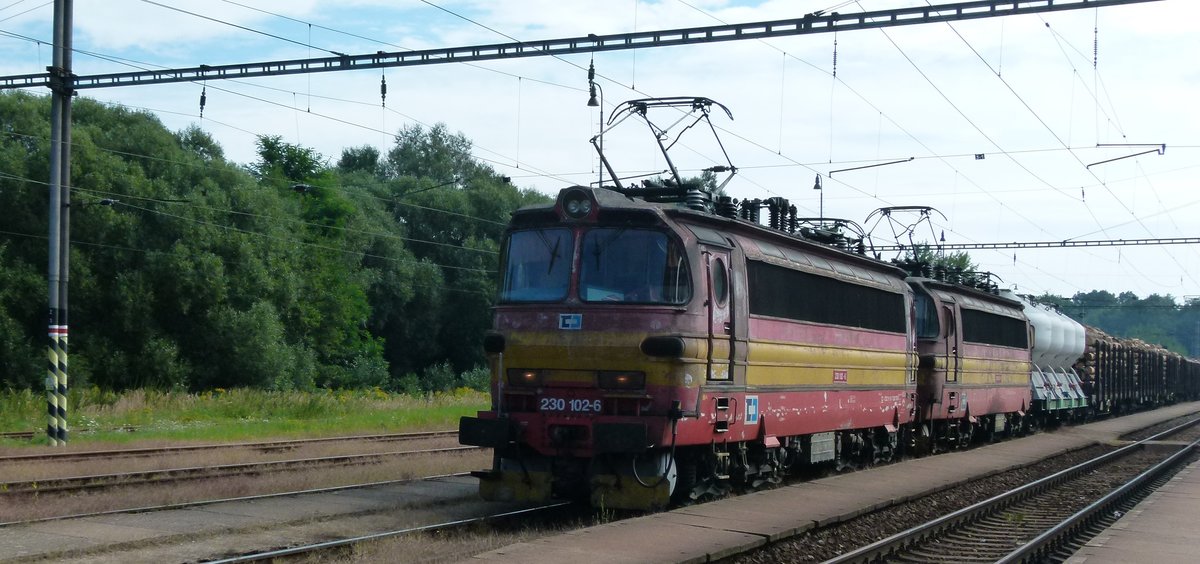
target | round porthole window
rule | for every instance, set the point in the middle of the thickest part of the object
(720, 282)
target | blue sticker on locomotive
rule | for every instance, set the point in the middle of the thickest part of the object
(570, 321)
(751, 410)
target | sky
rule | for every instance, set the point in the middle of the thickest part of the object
(1035, 95)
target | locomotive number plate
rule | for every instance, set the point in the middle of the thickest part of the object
(576, 405)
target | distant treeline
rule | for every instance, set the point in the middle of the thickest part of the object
(192, 272)
(1155, 319)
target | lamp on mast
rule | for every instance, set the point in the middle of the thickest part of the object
(593, 102)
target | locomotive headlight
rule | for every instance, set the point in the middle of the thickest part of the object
(524, 378)
(577, 204)
(621, 380)
(579, 208)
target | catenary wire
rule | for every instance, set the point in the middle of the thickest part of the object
(143, 66)
(19, 14)
(962, 114)
(1113, 119)
(894, 122)
(241, 27)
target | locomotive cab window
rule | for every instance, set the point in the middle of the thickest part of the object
(927, 317)
(632, 265)
(537, 265)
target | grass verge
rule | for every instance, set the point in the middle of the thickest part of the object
(237, 414)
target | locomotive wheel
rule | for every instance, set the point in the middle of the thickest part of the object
(687, 480)
(966, 433)
(939, 437)
(922, 441)
(987, 429)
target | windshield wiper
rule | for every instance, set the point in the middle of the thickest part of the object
(605, 242)
(553, 250)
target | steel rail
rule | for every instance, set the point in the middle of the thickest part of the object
(200, 472)
(289, 443)
(1040, 547)
(305, 549)
(879, 551)
(201, 503)
(30, 434)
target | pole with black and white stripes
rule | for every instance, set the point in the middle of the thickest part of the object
(59, 224)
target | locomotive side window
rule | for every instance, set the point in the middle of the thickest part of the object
(537, 265)
(992, 329)
(927, 317)
(791, 294)
(632, 265)
(720, 281)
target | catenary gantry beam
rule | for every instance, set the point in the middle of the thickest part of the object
(1047, 244)
(808, 24)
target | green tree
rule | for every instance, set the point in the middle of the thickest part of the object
(360, 159)
(281, 160)
(435, 154)
(281, 274)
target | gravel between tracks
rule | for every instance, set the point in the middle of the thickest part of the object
(822, 544)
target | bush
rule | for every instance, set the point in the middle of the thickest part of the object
(438, 378)
(407, 384)
(478, 378)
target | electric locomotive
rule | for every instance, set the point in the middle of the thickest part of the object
(643, 352)
(974, 363)
(653, 345)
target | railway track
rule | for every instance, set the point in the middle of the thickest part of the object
(262, 446)
(315, 550)
(95, 481)
(19, 435)
(202, 503)
(1041, 521)
(212, 529)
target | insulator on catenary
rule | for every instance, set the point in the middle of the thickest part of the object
(835, 55)
(203, 100)
(383, 91)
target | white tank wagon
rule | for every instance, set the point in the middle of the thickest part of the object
(1058, 344)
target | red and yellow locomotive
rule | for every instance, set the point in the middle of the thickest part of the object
(644, 352)
(652, 346)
